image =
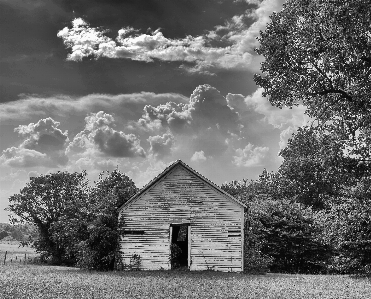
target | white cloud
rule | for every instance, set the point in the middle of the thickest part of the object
(129, 105)
(161, 146)
(205, 122)
(85, 41)
(98, 137)
(43, 145)
(21, 157)
(285, 136)
(250, 156)
(277, 117)
(198, 156)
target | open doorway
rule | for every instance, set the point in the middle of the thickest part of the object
(179, 246)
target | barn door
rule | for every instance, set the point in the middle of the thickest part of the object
(179, 245)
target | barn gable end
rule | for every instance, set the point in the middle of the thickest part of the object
(180, 203)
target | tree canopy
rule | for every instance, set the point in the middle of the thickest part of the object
(44, 201)
(318, 53)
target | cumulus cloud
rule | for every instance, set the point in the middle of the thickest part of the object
(205, 122)
(100, 137)
(161, 146)
(198, 156)
(206, 108)
(237, 35)
(43, 145)
(44, 136)
(250, 156)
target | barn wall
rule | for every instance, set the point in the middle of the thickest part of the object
(181, 197)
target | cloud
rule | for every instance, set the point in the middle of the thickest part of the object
(21, 157)
(44, 136)
(206, 108)
(285, 136)
(198, 156)
(205, 122)
(129, 105)
(250, 156)
(237, 37)
(161, 146)
(43, 145)
(277, 117)
(99, 137)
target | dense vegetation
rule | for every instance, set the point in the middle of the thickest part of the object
(21, 233)
(313, 215)
(77, 224)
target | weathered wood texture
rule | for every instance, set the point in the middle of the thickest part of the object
(182, 197)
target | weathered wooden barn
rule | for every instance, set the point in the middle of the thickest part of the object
(181, 209)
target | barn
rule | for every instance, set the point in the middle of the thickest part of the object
(181, 219)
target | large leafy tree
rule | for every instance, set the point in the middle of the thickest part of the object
(318, 53)
(99, 249)
(44, 202)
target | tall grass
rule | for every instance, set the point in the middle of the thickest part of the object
(33, 281)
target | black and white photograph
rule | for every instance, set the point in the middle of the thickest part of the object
(185, 149)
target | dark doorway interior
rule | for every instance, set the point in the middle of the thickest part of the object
(179, 246)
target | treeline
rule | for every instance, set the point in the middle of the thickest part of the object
(77, 224)
(311, 216)
(22, 232)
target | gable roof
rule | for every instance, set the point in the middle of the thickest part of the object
(166, 171)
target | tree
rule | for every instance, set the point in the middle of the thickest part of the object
(280, 233)
(346, 226)
(318, 53)
(291, 237)
(316, 170)
(44, 202)
(99, 250)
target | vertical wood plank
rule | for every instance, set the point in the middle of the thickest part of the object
(189, 246)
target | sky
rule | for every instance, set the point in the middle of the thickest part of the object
(135, 84)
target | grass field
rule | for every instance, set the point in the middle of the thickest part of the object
(34, 281)
(15, 254)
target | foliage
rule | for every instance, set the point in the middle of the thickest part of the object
(255, 261)
(292, 238)
(347, 227)
(316, 169)
(43, 202)
(317, 53)
(77, 225)
(175, 253)
(99, 249)
(19, 232)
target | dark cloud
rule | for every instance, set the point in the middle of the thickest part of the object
(33, 60)
(177, 18)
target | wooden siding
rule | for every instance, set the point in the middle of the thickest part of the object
(182, 197)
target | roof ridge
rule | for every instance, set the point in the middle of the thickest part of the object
(172, 164)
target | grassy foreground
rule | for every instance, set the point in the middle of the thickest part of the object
(34, 281)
